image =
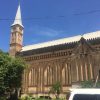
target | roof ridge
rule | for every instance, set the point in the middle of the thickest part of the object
(76, 38)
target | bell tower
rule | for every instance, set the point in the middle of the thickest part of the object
(16, 39)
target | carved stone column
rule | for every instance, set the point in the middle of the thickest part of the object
(26, 81)
(86, 73)
(23, 82)
(69, 74)
(81, 65)
(77, 69)
(91, 71)
(42, 79)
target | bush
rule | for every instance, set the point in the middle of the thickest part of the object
(31, 98)
(2, 98)
(27, 98)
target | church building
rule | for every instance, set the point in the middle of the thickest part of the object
(68, 61)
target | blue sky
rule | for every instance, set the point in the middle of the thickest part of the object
(49, 19)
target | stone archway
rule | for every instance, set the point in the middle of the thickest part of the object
(65, 75)
(48, 76)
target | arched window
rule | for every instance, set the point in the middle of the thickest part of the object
(32, 78)
(65, 75)
(48, 76)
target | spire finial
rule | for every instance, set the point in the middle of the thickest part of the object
(82, 35)
(18, 2)
(18, 19)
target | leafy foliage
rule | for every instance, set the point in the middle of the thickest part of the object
(90, 84)
(11, 70)
(87, 84)
(4, 65)
(56, 89)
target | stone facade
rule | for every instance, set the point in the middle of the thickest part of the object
(16, 39)
(69, 64)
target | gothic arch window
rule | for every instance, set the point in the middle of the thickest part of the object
(65, 75)
(20, 28)
(51, 76)
(14, 28)
(32, 77)
(48, 76)
(56, 74)
(45, 77)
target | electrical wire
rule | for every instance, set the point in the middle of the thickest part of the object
(52, 17)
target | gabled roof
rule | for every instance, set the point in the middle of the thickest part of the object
(87, 36)
(83, 47)
(18, 19)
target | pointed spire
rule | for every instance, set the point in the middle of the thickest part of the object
(18, 19)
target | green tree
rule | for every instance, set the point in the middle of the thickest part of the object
(90, 84)
(56, 89)
(4, 65)
(11, 70)
(87, 84)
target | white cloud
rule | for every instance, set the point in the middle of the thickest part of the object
(45, 31)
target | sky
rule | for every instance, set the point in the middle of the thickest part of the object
(46, 20)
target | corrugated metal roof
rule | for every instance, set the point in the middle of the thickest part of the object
(87, 36)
